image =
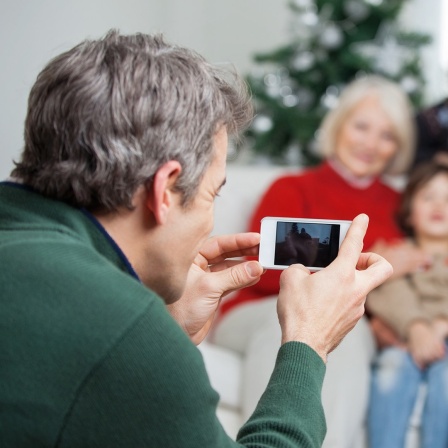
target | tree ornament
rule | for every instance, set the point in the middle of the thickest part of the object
(310, 18)
(303, 61)
(387, 55)
(356, 10)
(285, 90)
(290, 100)
(262, 124)
(330, 98)
(331, 36)
(410, 84)
(272, 83)
(270, 79)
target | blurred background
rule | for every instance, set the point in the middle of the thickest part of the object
(274, 43)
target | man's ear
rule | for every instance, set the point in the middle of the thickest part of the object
(160, 196)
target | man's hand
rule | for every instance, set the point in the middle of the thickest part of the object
(320, 309)
(212, 276)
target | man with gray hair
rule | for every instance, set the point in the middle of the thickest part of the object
(108, 279)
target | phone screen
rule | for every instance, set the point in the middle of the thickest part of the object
(311, 244)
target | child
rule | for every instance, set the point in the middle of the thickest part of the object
(416, 307)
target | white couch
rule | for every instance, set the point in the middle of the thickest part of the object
(245, 184)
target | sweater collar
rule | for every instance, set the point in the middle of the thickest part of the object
(112, 242)
(360, 183)
(80, 221)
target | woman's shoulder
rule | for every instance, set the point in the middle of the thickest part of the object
(392, 184)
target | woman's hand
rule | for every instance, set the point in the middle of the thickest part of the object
(440, 325)
(405, 257)
(424, 344)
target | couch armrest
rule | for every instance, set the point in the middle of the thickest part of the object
(224, 368)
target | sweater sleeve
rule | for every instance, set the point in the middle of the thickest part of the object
(290, 409)
(152, 390)
(396, 303)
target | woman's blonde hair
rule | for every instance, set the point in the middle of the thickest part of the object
(396, 105)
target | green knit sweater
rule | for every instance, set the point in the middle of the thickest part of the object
(89, 357)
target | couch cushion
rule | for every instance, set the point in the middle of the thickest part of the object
(240, 195)
(224, 369)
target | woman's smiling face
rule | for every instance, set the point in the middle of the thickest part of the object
(367, 140)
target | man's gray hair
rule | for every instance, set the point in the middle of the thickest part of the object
(105, 115)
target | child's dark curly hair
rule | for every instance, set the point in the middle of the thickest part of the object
(418, 178)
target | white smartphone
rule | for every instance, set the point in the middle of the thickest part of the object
(312, 242)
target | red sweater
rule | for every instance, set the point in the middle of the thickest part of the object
(323, 194)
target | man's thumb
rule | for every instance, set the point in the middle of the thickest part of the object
(243, 274)
(253, 269)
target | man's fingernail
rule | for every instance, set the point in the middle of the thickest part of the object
(253, 269)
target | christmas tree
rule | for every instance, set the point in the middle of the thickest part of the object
(333, 42)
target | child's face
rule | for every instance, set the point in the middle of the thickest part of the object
(429, 211)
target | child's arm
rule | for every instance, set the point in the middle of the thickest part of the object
(425, 343)
(440, 324)
(397, 304)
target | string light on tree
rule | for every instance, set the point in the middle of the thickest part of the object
(356, 10)
(410, 84)
(303, 61)
(331, 36)
(330, 98)
(262, 123)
